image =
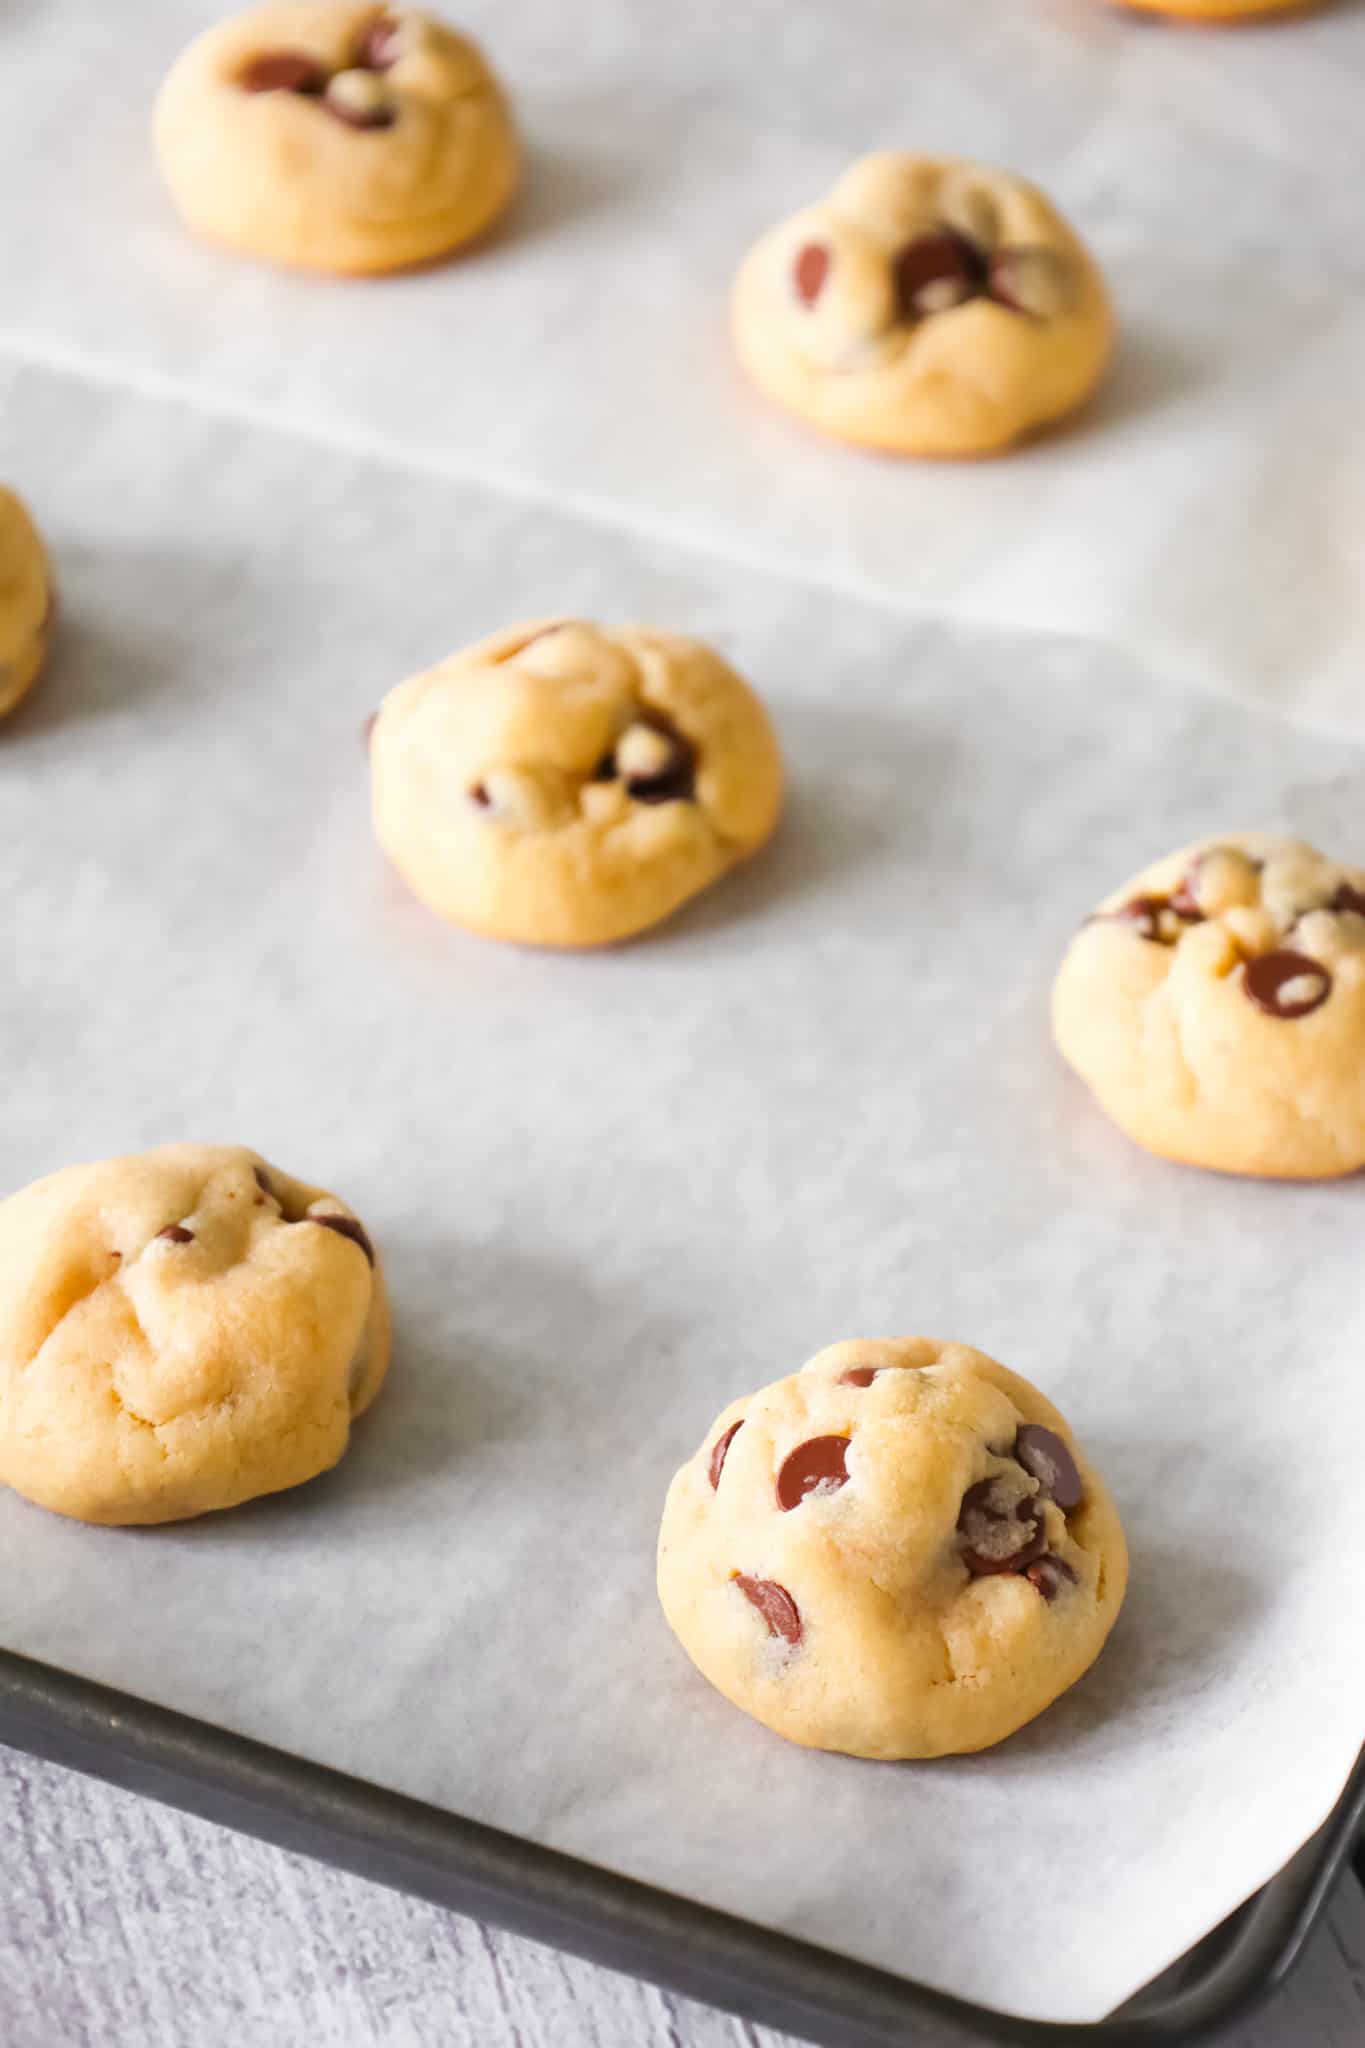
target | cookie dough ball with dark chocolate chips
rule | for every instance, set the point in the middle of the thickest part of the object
(900, 1551)
(180, 1331)
(926, 306)
(1215, 1005)
(567, 784)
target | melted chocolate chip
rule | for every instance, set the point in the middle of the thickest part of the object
(346, 1226)
(718, 1452)
(176, 1233)
(812, 268)
(1046, 1458)
(284, 71)
(1144, 913)
(1049, 1574)
(378, 47)
(936, 272)
(858, 1376)
(999, 1538)
(1348, 898)
(263, 1182)
(822, 1461)
(774, 1603)
(1267, 982)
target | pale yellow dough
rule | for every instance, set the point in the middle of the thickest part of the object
(147, 1377)
(26, 602)
(566, 784)
(277, 173)
(848, 357)
(902, 1651)
(1162, 1027)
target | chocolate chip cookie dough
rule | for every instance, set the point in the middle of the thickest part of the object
(181, 1330)
(566, 784)
(1216, 1007)
(26, 602)
(899, 1551)
(928, 306)
(338, 136)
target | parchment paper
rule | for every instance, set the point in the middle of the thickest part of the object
(1208, 513)
(613, 1191)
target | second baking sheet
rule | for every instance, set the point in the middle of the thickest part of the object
(612, 1191)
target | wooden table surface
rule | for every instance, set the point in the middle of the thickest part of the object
(126, 1925)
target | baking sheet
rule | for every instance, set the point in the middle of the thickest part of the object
(1208, 513)
(614, 1191)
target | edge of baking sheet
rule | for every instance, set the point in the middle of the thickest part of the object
(615, 1921)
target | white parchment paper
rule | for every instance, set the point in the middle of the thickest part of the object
(1207, 513)
(613, 1191)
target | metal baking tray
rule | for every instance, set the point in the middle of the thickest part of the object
(615, 1921)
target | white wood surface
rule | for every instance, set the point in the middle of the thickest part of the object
(126, 1925)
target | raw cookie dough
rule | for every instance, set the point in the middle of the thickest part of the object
(181, 1330)
(928, 306)
(341, 137)
(1216, 1006)
(26, 602)
(897, 1552)
(565, 784)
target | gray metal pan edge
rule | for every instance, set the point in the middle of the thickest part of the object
(615, 1921)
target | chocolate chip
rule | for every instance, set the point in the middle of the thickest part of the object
(1049, 1574)
(378, 47)
(858, 1376)
(1184, 902)
(346, 1226)
(936, 272)
(774, 1603)
(284, 71)
(1348, 898)
(1286, 984)
(263, 1182)
(1144, 912)
(479, 795)
(999, 1537)
(812, 268)
(822, 1461)
(671, 776)
(1046, 1458)
(718, 1451)
(176, 1233)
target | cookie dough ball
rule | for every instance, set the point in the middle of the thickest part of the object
(928, 306)
(897, 1552)
(26, 602)
(565, 784)
(1216, 1006)
(180, 1331)
(340, 137)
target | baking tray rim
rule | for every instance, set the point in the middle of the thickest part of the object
(623, 1923)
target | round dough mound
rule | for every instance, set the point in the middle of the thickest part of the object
(891, 1553)
(180, 1331)
(1216, 1006)
(26, 602)
(339, 137)
(564, 784)
(928, 306)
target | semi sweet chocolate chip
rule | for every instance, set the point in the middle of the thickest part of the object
(1046, 1458)
(1348, 898)
(1184, 902)
(1144, 914)
(1049, 1574)
(810, 272)
(176, 1233)
(1286, 984)
(479, 795)
(998, 1537)
(378, 47)
(675, 777)
(284, 71)
(858, 1376)
(718, 1452)
(822, 1461)
(936, 272)
(346, 1226)
(774, 1603)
